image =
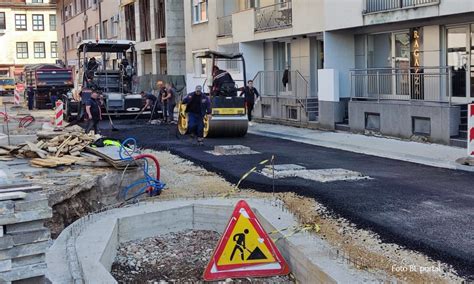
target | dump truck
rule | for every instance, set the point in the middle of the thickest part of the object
(48, 80)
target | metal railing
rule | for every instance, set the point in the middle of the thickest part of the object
(224, 26)
(273, 16)
(431, 84)
(271, 84)
(372, 6)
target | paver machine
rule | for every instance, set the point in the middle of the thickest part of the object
(115, 83)
(229, 114)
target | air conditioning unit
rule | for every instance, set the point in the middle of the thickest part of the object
(115, 18)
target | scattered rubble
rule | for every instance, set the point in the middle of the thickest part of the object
(174, 258)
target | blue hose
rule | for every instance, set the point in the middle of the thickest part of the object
(151, 185)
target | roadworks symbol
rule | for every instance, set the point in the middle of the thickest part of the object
(245, 249)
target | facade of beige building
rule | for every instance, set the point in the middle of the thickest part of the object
(27, 35)
(85, 20)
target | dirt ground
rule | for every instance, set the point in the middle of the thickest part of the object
(174, 257)
(360, 248)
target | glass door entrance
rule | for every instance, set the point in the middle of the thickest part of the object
(458, 50)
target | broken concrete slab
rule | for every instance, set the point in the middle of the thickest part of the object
(12, 195)
(231, 150)
(319, 175)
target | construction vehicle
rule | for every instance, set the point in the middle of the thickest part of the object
(115, 84)
(47, 80)
(7, 86)
(229, 114)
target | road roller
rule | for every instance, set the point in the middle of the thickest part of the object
(229, 114)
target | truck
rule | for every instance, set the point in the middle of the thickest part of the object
(48, 80)
(7, 86)
(115, 84)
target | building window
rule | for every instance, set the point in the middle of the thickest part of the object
(113, 26)
(104, 29)
(67, 43)
(37, 1)
(200, 66)
(252, 4)
(21, 50)
(90, 33)
(130, 22)
(38, 22)
(54, 49)
(39, 49)
(83, 36)
(52, 22)
(97, 31)
(145, 25)
(3, 24)
(20, 22)
(199, 11)
(72, 42)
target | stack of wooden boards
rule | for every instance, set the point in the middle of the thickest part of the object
(55, 149)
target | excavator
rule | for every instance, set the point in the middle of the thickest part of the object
(229, 114)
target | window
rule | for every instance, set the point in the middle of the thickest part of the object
(130, 22)
(200, 66)
(20, 22)
(113, 27)
(39, 49)
(73, 43)
(21, 50)
(90, 33)
(97, 31)
(83, 36)
(3, 24)
(252, 4)
(104, 29)
(67, 43)
(54, 49)
(38, 22)
(37, 1)
(52, 22)
(199, 11)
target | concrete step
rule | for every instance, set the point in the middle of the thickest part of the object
(458, 142)
(342, 127)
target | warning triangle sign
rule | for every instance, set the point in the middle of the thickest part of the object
(245, 249)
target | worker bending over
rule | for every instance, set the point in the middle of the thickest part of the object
(150, 103)
(198, 107)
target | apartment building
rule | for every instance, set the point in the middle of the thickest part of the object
(274, 36)
(87, 19)
(158, 28)
(405, 66)
(27, 35)
(396, 67)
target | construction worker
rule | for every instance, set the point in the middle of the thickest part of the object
(150, 102)
(251, 95)
(94, 113)
(169, 103)
(160, 94)
(198, 108)
(31, 97)
(222, 82)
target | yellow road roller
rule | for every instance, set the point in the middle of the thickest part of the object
(229, 114)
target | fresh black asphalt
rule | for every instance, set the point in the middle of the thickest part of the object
(423, 208)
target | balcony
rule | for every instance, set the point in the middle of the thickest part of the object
(275, 16)
(429, 84)
(225, 26)
(376, 6)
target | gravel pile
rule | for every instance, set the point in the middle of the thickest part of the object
(174, 257)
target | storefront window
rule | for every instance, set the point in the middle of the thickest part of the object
(458, 59)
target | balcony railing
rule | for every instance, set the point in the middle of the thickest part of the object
(225, 26)
(273, 17)
(373, 6)
(431, 84)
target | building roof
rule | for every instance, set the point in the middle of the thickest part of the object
(105, 45)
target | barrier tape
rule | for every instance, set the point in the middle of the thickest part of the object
(264, 162)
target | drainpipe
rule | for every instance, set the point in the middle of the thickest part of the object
(64, 35)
